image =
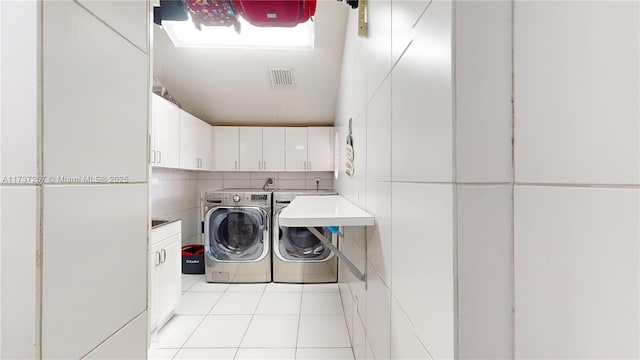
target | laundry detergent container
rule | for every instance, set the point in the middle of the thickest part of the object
(193, 259)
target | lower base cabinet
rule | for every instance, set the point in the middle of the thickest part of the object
(165, 278)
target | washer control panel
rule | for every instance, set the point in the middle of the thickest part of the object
(238, 198)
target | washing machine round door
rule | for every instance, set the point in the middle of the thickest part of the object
(236, 233)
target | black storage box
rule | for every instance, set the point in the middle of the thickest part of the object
(193, 259)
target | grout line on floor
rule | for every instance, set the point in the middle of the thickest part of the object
(295, 354)
(250, 321)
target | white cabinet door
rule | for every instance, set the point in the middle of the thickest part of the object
(166, 130)
(189, 128)
(170, 284)
(273, 144)
(205, 146)
(226, 148)
(296, 149)
(250, 148)
(154, 282)
(320, 152)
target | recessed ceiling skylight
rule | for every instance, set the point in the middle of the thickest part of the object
(185, 34)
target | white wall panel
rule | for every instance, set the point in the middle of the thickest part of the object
(378, 148)
(19, 95)
(130, 342)
(577, 93)
(483, 91)
(95, 250)
(422, 261)
(404, 342)
(95, 97)
(422, 102)
(379, 236)
(577, 272)
(129, 18)
(18, 239)
(378, 323)
(378, 44)
(404, 15)
(485, 272)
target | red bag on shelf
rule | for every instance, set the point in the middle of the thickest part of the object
(213, 13)
(276, 13)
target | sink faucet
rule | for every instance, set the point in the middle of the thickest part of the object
(268, 184)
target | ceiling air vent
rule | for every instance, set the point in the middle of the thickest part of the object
(281, 77)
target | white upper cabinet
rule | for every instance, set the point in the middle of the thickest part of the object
(226, 148)
(195, 143)
(165, 138)
(250, 149)
(273, 145)
(296, 149)
(320, 153)
(205, 145)
(189, 127)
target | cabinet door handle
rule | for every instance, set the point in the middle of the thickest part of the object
(164, 256)
(159, 157)
(199, 163)
(158, 262)
(259, 164)
(153, 157)
(264, 165)
(236, 165)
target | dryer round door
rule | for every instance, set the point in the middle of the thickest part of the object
(300, 244)
(236, 233)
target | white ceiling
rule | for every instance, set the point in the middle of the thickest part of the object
(232, 87)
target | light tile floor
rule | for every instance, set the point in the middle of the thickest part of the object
(254, 321)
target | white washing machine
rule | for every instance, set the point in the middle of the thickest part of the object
(298, 255)
(237, 236)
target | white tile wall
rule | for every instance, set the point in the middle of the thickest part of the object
(18, 113)
(577, 116)
(99, 146)
(378, 323)
(404, 133)
(577, 272)
(485, 271)
(89, 232)
(378, 148)
(422, 261)
(405, 14)
(404, 341)
(378, 46)
(18, 235)
(422, 102)
(379, 236)
(130, 342)
(128, 18)
(176, 194)
(483, 91)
